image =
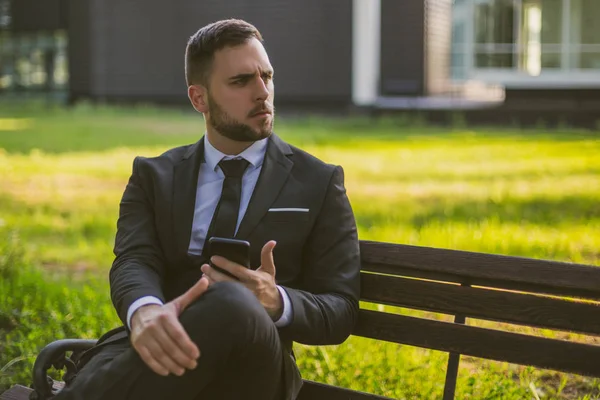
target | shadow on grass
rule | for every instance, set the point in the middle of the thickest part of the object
(547, 212)
(476, 176)
(538, 211)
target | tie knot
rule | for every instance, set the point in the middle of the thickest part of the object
(233, 168)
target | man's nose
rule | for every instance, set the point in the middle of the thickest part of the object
(262, 89)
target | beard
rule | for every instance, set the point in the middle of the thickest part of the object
(235, 130)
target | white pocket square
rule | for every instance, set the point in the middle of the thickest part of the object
(288, 209)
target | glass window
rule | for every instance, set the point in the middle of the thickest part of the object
(494, 21)
(585, 28)
(540, 35)
(584, 34)
(4, 14)
(494, 34)
(590, 60)
(551, 34)
(33, 61)
(6, 61)
(551, 60)
(61, 60)
(525, 35)
(460, 53)
(457, 59)
(551, 21)
(493, 60)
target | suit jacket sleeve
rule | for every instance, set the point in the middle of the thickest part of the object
(139, 265)
(325, 307)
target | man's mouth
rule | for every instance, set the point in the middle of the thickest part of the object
(261, 113)
(266, 110)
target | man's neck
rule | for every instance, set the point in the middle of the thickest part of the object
(226, 145)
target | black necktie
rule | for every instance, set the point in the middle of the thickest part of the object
(226, 214)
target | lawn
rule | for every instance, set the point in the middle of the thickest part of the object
(533, 193)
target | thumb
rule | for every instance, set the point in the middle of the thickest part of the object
(266, 258)
(192, 294)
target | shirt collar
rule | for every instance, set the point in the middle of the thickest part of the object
(255, 154)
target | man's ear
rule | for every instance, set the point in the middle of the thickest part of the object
(198, 96)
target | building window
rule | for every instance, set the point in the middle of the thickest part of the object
(584, 34)
(525, 36)
(33, 62)
(494, 34)
(4, 14)
(540, 35)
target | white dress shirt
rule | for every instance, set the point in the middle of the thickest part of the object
(210, 183)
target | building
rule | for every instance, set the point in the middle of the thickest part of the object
(484, 58)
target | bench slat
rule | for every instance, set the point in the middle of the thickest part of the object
(319, 391)
(495, 305)
(476, 269)
(515, 348)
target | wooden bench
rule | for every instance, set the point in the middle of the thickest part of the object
(522, 291)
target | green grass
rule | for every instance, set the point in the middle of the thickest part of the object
(529, 193)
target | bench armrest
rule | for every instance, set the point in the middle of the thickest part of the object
(55, 355)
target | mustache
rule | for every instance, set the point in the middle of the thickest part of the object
(265, 107)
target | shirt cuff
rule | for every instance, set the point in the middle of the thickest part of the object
(143, 301)
(286, 315)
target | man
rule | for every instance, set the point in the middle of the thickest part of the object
(191, 331)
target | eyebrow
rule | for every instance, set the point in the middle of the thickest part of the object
(250, 75)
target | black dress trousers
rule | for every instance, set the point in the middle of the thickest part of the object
(241, 357)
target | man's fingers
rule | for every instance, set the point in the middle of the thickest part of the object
(192, 294)
(159, 355)
(216, 276)
(172, 350)
(210, 280)
(228, 268)
(266, 258)
(165, 346)
(179, 336)
(151, 362)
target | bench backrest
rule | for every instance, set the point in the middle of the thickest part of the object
(537, 293)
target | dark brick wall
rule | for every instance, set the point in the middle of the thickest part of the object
(137, 46)
(402, 47)
(80, 51)
(35, 15)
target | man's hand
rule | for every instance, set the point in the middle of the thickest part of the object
(160, 339)
(261, 282)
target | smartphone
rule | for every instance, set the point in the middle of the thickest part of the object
(234, 250)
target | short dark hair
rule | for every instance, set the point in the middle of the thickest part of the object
(201, 47)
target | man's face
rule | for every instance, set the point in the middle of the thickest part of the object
(240, 93)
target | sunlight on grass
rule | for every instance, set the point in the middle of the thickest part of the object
(14, 124)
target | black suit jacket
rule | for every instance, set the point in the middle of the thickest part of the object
(317, 254)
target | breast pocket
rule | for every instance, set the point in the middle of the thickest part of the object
(287, 215)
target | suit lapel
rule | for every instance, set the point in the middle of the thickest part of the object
(185, 183)
(275, 171)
